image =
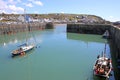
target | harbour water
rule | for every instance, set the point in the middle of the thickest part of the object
(58, 55)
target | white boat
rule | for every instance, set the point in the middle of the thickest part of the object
(102, 66)
(106, 34)
(23, 49)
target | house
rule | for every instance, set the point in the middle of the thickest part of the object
(21, 18)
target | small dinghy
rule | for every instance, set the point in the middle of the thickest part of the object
(106, 35)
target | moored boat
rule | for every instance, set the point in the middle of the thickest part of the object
(103, 66)
(23, 49)
(106, 34)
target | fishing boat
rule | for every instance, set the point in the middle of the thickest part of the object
(103, 66)
(106, 34)
(23, 49)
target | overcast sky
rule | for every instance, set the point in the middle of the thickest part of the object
(107, 9)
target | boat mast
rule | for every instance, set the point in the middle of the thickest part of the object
(104, 50)
(25, 24)
(24, 15)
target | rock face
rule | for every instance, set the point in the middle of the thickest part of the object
(98, 29)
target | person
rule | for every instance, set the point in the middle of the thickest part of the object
(96, 71)
(101, 71)
(22, 53)
(96, 67)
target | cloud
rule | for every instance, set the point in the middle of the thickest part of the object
(3, 4)
(29, 5)
(10, 7)
(36, 2)
(15, 9)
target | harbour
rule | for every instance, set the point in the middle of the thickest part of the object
(40, 40)
(59, 55)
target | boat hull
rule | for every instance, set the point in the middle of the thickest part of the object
(24, 51)
(106, 37)
(104, 76)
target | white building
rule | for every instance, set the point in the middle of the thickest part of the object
(21, 18)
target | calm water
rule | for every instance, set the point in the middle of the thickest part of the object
(58, 56)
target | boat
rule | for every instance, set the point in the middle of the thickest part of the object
(23, 49)
(106, 34)
(102, 66)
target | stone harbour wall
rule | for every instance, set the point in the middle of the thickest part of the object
(21, 27)
(87, 28)
(115, 34)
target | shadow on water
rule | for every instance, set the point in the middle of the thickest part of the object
(99, 78)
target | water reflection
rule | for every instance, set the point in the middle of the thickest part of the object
(86, 38)
(11, 39)
(19, 38)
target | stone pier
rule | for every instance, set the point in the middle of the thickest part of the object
(21, 27)
(88, 28)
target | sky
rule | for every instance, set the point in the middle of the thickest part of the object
(107, 9)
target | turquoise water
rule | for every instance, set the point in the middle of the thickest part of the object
(58, 55)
